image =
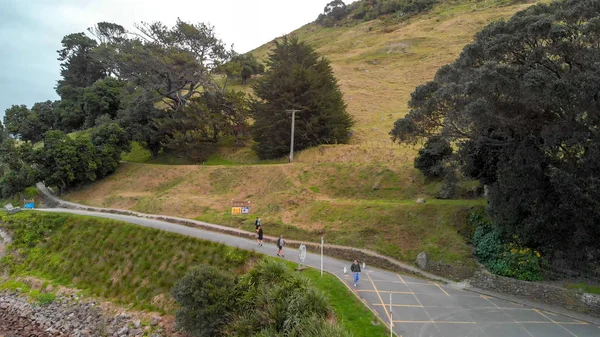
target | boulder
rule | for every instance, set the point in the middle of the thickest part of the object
(421, 201)
(422, 260)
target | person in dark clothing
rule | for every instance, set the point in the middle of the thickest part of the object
(280, 244)
(257, 223)
(355, 268)
(259, 231)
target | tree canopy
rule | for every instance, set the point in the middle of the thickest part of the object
(297, 78)
(523, 105)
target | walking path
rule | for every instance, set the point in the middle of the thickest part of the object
(418, 307)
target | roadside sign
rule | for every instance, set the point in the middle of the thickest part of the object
(240, 207)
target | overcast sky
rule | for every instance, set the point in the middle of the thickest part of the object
(31, 31)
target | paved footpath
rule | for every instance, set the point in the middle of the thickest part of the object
(419, 308)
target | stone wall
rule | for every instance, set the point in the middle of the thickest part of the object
(566, 298)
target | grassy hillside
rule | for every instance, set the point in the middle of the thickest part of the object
(363, 205)
(362, 194)
(138, 266)
(379, 63)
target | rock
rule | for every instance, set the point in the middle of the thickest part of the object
(123, 331)
(377, 186)
(155, 320)
(136, 324)
(136, 332)
(421, 201)
(422, 260)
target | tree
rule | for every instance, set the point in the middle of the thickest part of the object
(195, 129)
(298, 79)
(171, 62)
(205, 298)
(79, 69)
(244, 67)
(47, 115)
(333, 12)
(102, 98)
(110, 141)
(523, 104)
(65, 162)
(431, 157)
(138, 115)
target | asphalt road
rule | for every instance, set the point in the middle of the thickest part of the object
(419, 308)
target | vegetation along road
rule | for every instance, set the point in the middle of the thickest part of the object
(419, 307)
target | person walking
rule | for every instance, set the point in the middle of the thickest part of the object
(355, 268)
(257, 223)
(259, 231)
(280, 244)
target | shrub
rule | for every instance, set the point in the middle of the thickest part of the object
(504, 259)
(205, 297)
(432, 156)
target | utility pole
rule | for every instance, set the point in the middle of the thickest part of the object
(293, 112)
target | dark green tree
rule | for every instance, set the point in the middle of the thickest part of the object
(102, 98)
(64, 161)
(205, 297)
(298, 79)
(138, 116)
(193, 130)
(110, 141)
(173, 63)
(431, 157)
(522, 102)
(47, 115)
(333, 12)
(79, 69)
(244, 67)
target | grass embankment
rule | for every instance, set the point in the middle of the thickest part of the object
(137, 266)
(361, 205)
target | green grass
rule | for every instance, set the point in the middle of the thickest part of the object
(351, 312)
(41, 297)
(400, 229)
(586, 288)
(118, 261)
(135, 265)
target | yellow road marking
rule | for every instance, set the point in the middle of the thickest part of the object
(452, 307)
(468, 322)
(379, 295)
(400, 305)
(442, 289)
(435, 322)
(421, 283)
(385, 291)
(418, 301)
(559, 324)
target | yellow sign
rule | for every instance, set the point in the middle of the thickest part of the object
(240, 207)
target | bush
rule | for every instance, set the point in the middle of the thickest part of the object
(510, 260)
(432, 156)
(205, 297)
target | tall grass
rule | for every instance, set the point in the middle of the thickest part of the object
(106, 258)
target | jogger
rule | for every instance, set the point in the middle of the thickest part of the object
(355, 268)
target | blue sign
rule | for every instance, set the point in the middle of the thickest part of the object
(30, 204)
